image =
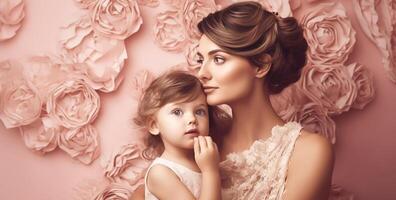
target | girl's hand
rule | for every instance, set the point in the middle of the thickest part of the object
(206, 154)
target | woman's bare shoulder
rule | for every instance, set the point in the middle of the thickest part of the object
(311, 164)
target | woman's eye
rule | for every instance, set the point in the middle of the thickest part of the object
(219, 60)
(177, 112)
(199, 60)
(201, 112)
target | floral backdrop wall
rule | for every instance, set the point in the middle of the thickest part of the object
(72, 71)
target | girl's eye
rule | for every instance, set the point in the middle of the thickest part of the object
(201, 112)
(177, 112)
(219, 60)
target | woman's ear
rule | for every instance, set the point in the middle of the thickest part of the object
(264, 69)
(153, 127)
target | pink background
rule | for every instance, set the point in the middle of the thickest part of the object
(365, 152)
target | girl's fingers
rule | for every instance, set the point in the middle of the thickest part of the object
(196, 146)
(209, 142)
(202, 143)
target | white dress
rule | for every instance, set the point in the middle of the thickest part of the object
(191, 179)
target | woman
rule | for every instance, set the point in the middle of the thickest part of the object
(246, 54)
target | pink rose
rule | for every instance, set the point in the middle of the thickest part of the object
(169, 32)
(288, 101)
(194, 11)
(191, 55)
(117, 19)
(140, 81)
(329, 34)
(20, 103)
(86, 3)
(11, 16)
(115, 191)
(73, 103)
(175, 3)
(282, 7)
(39, 137)
(330, 86)
(149, 3)
(127, 165)
(125, 157)
(80, 143)
(99, 59)
(314, 118)
(43, 73)
(364, 83)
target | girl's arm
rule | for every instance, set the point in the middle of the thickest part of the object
(207, 158)
(164, 183)
(310, 168)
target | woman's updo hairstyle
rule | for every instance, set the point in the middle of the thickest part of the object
(246, 29)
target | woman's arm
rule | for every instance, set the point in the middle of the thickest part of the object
(310, 169)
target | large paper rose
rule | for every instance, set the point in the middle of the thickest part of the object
(39, 137)
(329, 34)
(11, 16)
(364, 83)
(80, 143)
(193, 12)
(288, 101)
(115, 191)
(127, 166)
(140, 83)
(20, 103)
(73, 103)
(122, 159)
(43, 73)
(330, 86)
(99, 59)
(314, 118)
(282, 7)
(149, 3)
(86, 3)
(169, 31)
(117, 19)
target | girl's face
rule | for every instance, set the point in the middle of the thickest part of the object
(226, 78)
(179, 122)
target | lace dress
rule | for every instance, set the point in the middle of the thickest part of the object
(260, 171)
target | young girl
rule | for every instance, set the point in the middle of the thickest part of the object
(175, 112)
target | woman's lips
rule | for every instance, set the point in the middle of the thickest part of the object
(209, 89)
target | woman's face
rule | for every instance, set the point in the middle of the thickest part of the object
(226, 78)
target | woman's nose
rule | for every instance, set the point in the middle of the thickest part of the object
(203, 73)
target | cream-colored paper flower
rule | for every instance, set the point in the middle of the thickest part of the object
(329, 34)
(80, 143)
(117, 19)
(11, 15)
(73, 103)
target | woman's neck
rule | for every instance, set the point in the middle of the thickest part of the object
(253, 118)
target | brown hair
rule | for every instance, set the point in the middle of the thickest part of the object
(173, 86)
(246, 29)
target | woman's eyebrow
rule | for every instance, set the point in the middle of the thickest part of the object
(213, 52)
